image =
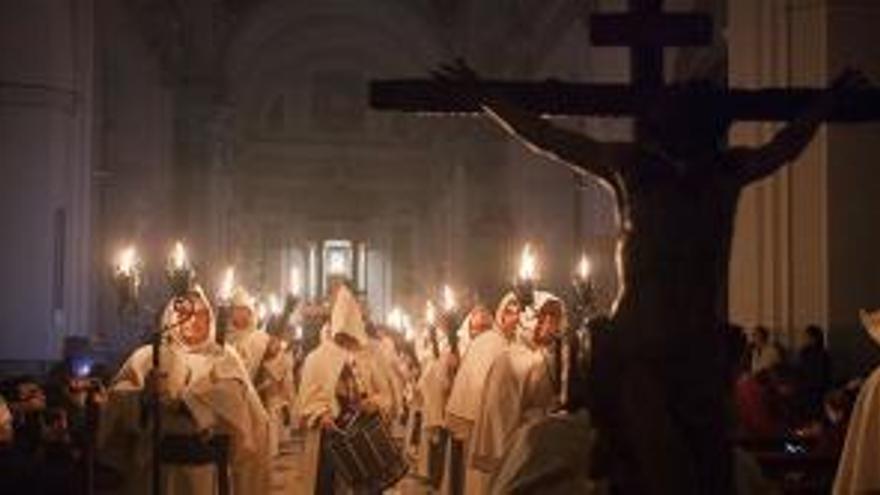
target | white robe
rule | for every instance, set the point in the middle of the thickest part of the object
(518, 389)
(433, 390)
(383, 353)
(463, 404)
(858, 470)
(550, 456)
(317, 397)
(214, 388)
(467, 388)
(271, 377)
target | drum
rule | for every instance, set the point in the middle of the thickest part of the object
(365, 455)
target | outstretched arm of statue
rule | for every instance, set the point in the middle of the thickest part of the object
(757, 163)
(582, 153)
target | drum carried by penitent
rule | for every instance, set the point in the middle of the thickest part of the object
(365, 455)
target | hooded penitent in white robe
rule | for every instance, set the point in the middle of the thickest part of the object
(519, 388)
(467, 388)
(210, 391)
(320, 375)
(269, 363)
(384, 353)
(463, 404)
(433, 389)
(858, 470)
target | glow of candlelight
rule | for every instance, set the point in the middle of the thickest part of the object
(295, 281)
(395, 318)
(298, 332)
(430, 313)
(126, 260)
(407, 328)
(274, 304)
(584, 268)
(527, 264)
(261, 311)
(227, 284)
(178, 256)
(448, 298)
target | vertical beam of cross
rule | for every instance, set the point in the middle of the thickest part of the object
(646, 60)
(647, 30)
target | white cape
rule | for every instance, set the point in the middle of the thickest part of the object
(858, 470)
(518, 389)
(467, 388)
(216, 392)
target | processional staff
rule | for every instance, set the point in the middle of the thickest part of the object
(127, 280)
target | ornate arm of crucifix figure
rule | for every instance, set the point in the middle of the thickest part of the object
(577, 151)
(754, 164)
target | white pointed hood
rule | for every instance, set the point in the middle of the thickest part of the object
(174, 320)
(346, 317)
(871, 322)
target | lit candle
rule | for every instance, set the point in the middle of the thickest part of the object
(227, 284)
(178, 256)
(261, 311)
(395, 318)
(448, 298)
(298, 332)
(584, 268)
(430, 313)
(126, 261)
(407, 328)
(274, 304)
(527, 264)
(295, 282)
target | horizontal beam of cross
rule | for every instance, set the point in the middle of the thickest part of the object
(554, 98)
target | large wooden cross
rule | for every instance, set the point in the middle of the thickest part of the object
(647, 30)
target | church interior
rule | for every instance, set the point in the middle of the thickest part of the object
(247, 131)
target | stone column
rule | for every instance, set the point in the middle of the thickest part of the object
(852, 187)
(761, 37)
(46, 135)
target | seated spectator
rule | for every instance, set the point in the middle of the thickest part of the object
(765, 403)
(765, 353)
(814, 372)
(829, 432)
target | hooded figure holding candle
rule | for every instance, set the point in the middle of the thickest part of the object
(204, 389)
(462, 408)
(269, 362)
(521, 386)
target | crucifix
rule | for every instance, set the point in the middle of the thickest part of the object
(659, 373)
(646, 30)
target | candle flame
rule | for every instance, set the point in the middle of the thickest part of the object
(261, 311)
(298, 332)
(448, 298)
(408, 334)
(126, 261)
(274, 304)
(527, 264)
(395, 318)
(295, 281)
(178, 256)
(584, 267)
(430, 313)
(227, 284)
